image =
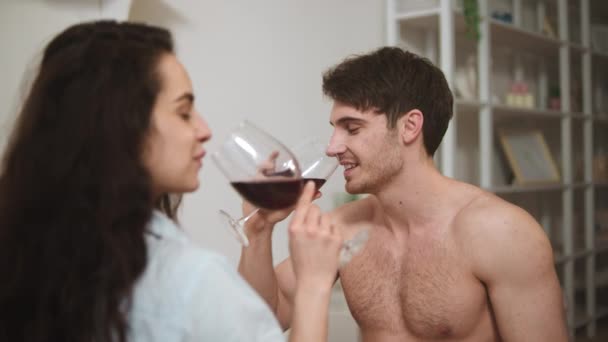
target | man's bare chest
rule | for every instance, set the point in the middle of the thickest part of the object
(423, 289)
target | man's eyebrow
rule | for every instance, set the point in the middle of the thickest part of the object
(186, 96)
(346, 120)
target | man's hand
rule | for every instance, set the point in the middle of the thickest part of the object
(266, 219)
(263, 219)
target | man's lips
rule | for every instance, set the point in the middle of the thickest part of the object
(348, 167)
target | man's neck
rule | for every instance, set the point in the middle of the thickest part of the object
(414, 198)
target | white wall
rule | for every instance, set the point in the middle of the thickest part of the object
(261, 60)
(25, 28)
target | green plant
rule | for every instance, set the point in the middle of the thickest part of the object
(472, 19)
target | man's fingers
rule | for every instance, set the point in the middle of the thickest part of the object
(267, 167)
(273, 156)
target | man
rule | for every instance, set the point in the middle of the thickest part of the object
(445, 260)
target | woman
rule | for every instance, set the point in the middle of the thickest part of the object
(89, 250)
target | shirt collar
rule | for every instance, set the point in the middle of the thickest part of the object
(161, 226)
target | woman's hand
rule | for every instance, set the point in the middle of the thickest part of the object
(314, 244)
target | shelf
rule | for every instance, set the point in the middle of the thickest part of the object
(429, 19)
(504, 110)
(421, 14)
(514, 189)
(599, 57)
(581, 319)
(510, 189)
(518, 111)
(517, 39)
(600, 184)
(601, 280)
(600, 246)
(603, 118)
(560, 258)
(582, 185)
(578, 47)
(601, 313)
(503, 34)
(580, 116)
(466, 106)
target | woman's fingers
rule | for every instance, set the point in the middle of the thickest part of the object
(313, 218)
(301, 211)
(326, 224)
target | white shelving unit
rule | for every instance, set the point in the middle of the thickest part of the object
(525, 50)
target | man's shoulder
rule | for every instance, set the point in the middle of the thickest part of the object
(496, 233)
(486, 213)
(362, 210)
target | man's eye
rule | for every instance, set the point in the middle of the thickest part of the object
(185, 116)
(352, 130)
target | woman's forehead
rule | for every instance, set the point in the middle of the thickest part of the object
(174, 77)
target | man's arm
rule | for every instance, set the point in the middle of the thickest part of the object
(275, 286)
(514, 259)
(278, 285)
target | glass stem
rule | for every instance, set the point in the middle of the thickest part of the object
(244, 219)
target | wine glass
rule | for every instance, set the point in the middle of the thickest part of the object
(269, 176)
(316, 166)
(260, 168)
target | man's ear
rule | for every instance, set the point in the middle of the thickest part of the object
(410, 126)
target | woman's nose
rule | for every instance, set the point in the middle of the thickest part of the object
(203, 132)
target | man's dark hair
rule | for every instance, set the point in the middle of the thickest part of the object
(392, 82)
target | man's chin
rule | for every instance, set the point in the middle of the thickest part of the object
(353, 189)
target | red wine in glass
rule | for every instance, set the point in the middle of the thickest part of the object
(318, 182)
(270, 194)
(274, 194)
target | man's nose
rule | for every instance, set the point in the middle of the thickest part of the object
(335, 147)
